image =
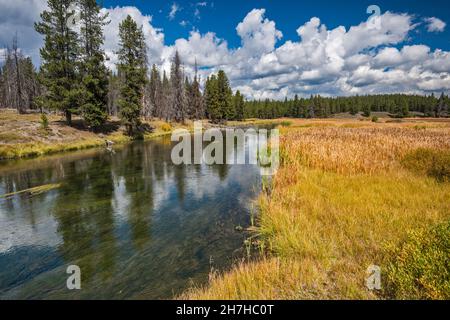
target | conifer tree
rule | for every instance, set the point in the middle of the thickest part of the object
(154, 89)
(59, 58)
(196, 99)
(94, 71)
(238, 101)
(133, 66)
(213, 110)
(178, 89)
(439, 106)
(166, 104)
(224, 96)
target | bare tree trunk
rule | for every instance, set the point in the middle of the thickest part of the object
(20, 106)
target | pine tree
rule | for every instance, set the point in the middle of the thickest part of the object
(366, 110)
(59, 58)
(214, 113)
(439, 106)
(133, 66)
(295, 113)
(238, 101)
(113, 94)
(224, 96)
(189, 96)
(154, 88)
(166, 104)
(196, 100)
(178, 89)
(95, 73)
(17, 57)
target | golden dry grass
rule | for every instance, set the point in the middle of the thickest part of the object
(23, 136)
(339, 201)
(358, 150)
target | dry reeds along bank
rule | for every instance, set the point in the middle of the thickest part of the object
(349, 195)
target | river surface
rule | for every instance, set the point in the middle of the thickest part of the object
(138, 226)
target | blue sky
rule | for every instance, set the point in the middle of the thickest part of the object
(278, 48)
(222, 16)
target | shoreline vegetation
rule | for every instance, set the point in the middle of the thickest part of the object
(360, 184)
(348, 195)
(24, 136)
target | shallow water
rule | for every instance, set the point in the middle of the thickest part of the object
(138, 226)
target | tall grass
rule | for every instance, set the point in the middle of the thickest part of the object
(420, 266)
(340, 199)
(358, 150)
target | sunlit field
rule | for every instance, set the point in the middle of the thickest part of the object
(350, 194)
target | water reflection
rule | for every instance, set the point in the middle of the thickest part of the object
(138, 226)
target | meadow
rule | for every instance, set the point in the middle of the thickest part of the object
(27, 135)
(350, 194)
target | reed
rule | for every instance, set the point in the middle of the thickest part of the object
(341, 198)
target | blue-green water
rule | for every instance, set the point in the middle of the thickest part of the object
(138, 226)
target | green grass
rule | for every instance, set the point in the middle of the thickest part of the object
(420, 267)
(434, 163)
(24, 150)
(9, 137)
(323, 225)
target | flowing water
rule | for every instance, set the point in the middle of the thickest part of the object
(137, 226)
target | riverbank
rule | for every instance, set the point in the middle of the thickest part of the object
(23, 136)
(351, 194)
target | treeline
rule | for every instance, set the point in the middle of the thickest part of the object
(73, 79)
(397, 105)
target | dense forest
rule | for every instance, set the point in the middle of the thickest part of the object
(74, 80)
(397, 105)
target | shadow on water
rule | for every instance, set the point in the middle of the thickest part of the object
(137, 225)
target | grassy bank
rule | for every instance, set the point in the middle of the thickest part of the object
(24, 136)
(350, 194)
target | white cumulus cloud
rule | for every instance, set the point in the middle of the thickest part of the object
(359, 59)
(435, 24)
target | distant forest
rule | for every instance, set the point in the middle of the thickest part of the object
(74, 80)
(397, 105)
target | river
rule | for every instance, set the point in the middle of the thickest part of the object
(138, 226)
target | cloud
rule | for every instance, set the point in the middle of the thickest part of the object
(258, 34)
(154, 36)
(197, 13)
(360, 59)
(18, 17)
(198, 5)
(435, 24)
(174, 8)
(207, 50)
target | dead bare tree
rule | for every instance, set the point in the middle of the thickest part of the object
(19, 84)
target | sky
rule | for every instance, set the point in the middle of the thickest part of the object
(278, 48)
